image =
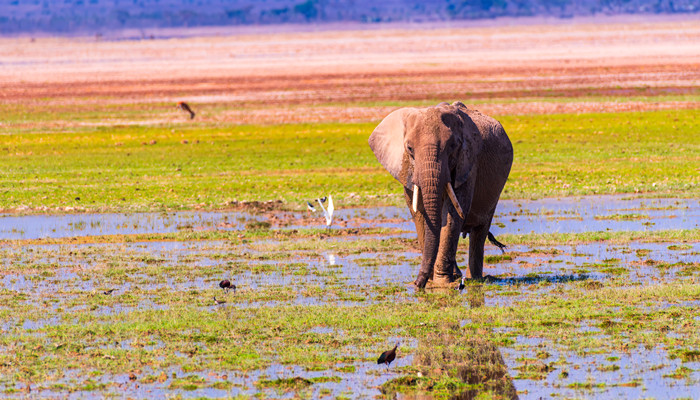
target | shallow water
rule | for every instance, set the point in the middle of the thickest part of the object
(62, 276)
(575, 214)
(647, 367)
(637, 262)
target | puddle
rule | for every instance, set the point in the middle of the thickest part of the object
(68, 225)
(575, 214)
(596, 213)
(636, 373)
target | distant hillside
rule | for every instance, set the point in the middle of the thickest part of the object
(100, 16)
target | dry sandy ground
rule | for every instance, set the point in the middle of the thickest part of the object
(341, 75)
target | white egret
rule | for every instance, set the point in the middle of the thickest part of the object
(328, 213)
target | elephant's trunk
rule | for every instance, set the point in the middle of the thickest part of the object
(432, 184)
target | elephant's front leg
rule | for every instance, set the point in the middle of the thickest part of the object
(446, 270)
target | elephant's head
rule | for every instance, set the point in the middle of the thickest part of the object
(431, 151)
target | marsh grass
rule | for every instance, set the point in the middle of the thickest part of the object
(143, 168)
(152, 326)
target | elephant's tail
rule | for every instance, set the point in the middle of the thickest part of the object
(496, 243)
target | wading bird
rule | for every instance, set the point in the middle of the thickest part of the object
(227, 285)
(310, 207)
(461, 284)
(109, 291)
(328, 213)
(388, 356)
(185, 107)
(217, 302)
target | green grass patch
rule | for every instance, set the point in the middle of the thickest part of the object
(139, 168)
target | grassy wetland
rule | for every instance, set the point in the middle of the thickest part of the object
(106, 186)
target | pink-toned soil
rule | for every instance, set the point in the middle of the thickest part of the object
(350, 75)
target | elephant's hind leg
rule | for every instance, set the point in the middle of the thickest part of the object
(477, 238)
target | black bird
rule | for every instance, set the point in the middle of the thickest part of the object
(461, 284)
(496, 243)
(310, 207)
(217, 302)
(323, 199)
(227, 285)
(388, 356)
(109, 291)
(184, 107)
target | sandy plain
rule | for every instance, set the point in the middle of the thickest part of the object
(360, 75)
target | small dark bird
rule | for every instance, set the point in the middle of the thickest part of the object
(496, 243)
(217, 302)
(461, 284)
(184, 107)
(109, 291)
(388, 356)
(323, 199)
(227, 285)
(310, 207)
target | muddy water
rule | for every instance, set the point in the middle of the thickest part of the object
(577, 214)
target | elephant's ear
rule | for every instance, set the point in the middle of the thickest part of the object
(387, 144)
(470, 146)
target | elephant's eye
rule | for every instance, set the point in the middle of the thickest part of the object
(410, 150)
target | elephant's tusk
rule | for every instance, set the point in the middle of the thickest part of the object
(453, 198)
(415, 198)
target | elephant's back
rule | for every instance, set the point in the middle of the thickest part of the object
(496, 143)
(493, 166)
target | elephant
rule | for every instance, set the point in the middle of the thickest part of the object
(446, 151)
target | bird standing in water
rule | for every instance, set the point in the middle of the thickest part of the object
(388, 356)
(185, 107)
(227, 285)
(217, 302)
(310, 207)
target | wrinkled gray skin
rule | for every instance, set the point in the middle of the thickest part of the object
(431, 147)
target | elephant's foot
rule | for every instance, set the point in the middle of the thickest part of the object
(446, 275)
(475, 272)
(421, 280)
(443, 281)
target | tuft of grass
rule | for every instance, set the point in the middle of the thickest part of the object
(286, 383)
(621, 217)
